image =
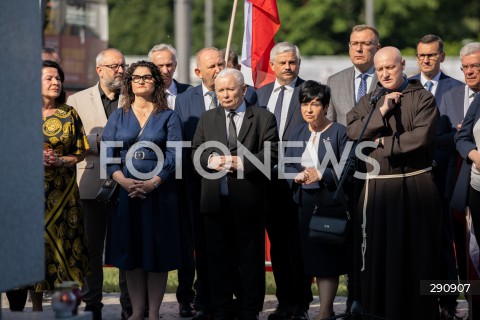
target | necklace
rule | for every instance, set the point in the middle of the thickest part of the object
(141, 112)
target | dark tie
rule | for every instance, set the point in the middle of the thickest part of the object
(232, 132)
(362, 88)
(429, 85)
(213, 103)
(278, 107)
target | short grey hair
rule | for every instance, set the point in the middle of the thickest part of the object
(470, 48)
(163, 47)
(231, 72)
(283, 47)
(99, 60)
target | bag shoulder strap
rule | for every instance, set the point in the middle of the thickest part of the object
(143, 127)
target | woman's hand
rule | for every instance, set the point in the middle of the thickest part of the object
(308, 176)
(140, 188)
(51, 159)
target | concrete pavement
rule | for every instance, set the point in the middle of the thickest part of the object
(169, 309)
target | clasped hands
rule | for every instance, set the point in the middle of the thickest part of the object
(138, 188)
(308, 176)
(51, 159)
(225, 163)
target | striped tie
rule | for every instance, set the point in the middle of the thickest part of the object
(362, 89)
(429, 86)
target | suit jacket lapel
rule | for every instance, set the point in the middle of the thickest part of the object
(96, 101)
(246, 124)
(349, 88)
(220, 134)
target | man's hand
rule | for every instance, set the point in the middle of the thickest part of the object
(391, 99)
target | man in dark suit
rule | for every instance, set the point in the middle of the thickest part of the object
(430, 55)
(164, 56)
(346, 86)
(233, 193)
(190, 105)
(280, 97)
(452, 171)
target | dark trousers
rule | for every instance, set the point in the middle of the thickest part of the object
(95, 216)
(186, 274)
(201, 285)
(236, 257)
(293, 286)
(448, 263)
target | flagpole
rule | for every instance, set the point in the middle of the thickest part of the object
(230, 31)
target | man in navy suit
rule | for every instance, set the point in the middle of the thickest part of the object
(164, 56)
(190, 105)
(430, 55)
(281, 98)
(454, 106)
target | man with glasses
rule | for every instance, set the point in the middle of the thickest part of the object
(453, 108)
(94, 105)
(430, 55)
(349, 85)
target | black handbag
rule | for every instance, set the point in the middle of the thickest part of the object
(110, 189)
(330, 218)
(108, 193)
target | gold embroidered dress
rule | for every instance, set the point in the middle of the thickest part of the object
(66, 255)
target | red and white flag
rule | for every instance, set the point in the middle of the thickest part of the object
(261, 23)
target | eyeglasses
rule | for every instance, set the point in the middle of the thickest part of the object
(474, 66)
(146, 78)
(361, 43)
(431, 56)
(116, 66)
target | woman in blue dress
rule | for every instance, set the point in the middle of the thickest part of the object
(143, 234)
(308, 178)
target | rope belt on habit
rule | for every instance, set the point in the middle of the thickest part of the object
(365, 199)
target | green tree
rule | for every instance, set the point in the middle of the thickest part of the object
(318, 27)
(135, 26)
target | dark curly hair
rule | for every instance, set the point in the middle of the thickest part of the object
(159, 96)
(62, 98)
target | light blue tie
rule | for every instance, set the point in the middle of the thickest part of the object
(429, 86)
(362, 89)
(213, 103)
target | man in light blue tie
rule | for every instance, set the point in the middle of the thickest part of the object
(430, 55)
(350, 84)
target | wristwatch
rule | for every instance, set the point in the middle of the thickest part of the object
(63, 162)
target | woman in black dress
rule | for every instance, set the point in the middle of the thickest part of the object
(311, 176)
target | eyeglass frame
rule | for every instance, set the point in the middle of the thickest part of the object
(115, 66)
(430, 56)
(474, 66)
(362, 43)
(144, 78)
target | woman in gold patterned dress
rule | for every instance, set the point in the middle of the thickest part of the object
(65, 144)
